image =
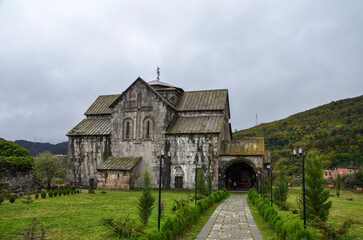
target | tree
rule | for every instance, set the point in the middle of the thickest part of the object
(210, 187)
(317, 196)
(281, 189)
(14, 155)
(46, 166)
(146, 201)
(201, 187)
(338, 185)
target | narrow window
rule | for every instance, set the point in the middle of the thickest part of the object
(127, 130)
(148, 129)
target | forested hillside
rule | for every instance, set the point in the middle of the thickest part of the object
(335, 130)
(35, 148)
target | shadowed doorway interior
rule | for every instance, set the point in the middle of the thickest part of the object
(240, 177)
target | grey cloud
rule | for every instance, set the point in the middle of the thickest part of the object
(276, 58)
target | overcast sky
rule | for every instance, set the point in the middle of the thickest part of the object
(276, 58)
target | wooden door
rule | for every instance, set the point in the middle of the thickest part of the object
(178, 182)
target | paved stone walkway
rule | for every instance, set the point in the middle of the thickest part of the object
(231, 220)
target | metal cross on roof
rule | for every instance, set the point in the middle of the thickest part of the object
(158, 73)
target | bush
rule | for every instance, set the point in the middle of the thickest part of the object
(280, 192)
(330, 232)
(68, 191)
(50, 194)
(288, 230)
(27, 199)
(36, 195)
(55, 193)
(77, 191)
(186, 215)
(35, 230)
(1, 199)
(43, 194)
(64, 192)
(126, 227)
(12, 199)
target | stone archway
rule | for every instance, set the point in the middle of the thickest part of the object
(240, 175)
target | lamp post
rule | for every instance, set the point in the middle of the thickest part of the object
(269, 168)
(196, 182)
(300, 153)
(162, 155)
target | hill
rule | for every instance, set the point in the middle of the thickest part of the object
(35, 148)
(335, 130)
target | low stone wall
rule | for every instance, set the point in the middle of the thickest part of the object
(12, 178)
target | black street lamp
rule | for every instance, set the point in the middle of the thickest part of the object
(161, 157)
(300, 153)
(197, 167)
(269, 168)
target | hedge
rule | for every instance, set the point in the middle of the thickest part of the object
(292, 230)
(185, 216)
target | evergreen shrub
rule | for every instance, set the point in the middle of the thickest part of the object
(50, 194)
(64, 192)
(12, 199)
(1, 199)
(43, 194)
(55, 193)
(68, 191)
(36, 195)
(284, 230)
(146, 201)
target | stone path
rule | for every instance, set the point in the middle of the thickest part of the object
(231, 220)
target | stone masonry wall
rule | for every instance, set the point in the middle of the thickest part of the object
(189, 150)
(13, 178)
(84, 155)
(140, 103)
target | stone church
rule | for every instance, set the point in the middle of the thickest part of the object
(125, 134)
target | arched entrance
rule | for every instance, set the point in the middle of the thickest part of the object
(240, 175)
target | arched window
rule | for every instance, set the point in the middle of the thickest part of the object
(148, 128)
(128, 129)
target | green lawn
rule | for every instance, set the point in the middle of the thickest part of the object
(78, 216)
(342, 209)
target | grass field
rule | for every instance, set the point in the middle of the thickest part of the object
(78, 216)
(342, 209)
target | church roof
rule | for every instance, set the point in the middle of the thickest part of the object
(101, 105)
(203, 100)
(161, 84)
(119, 163)
(164, 100)
(249, 146)
(197, 124)
(91, 126)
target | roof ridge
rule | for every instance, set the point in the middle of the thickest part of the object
(107, 95)
(210, 90)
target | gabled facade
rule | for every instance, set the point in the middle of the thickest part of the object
(148, 118)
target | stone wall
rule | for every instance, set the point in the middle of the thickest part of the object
(12, 178)
(187, 151)
(84, 155)
(138, 104)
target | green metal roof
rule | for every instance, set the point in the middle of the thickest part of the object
(203, 100)
(119, 163)
(101, 105)
(249, 146)
(92, 126)
(197, 124)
